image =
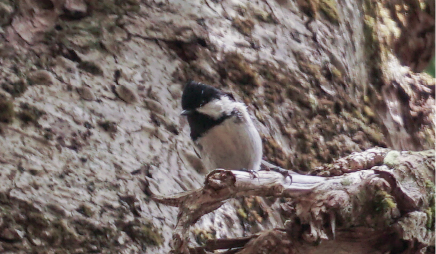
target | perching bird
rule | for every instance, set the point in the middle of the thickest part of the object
(221, 128)
(226, 137)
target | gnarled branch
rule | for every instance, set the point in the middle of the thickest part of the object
(380, 195)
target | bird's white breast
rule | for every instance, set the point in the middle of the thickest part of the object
(233, 144)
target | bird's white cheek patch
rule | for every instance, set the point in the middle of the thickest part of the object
(218, 107)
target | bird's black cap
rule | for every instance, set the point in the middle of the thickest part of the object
(197, 94)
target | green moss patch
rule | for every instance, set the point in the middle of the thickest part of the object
(306, 66)
(251, 211)
(430, 211)
(202, 236)
(281, 85)
(274, 152)
(237, 69)
(244, 26)
(383, 202)
(330, 9)
(309, 7)
(346, 182)
(391, 159)
(144, 233)
(264, 16)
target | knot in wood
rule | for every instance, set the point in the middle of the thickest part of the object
(220, 178)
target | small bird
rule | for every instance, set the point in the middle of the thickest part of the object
(226, 137)
(221, 128)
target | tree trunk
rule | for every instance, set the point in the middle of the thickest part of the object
(89, 121)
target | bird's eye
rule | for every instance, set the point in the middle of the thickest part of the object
(230, 95)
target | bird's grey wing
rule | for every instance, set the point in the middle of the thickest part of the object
(238, 117)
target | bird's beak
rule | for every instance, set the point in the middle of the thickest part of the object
(186, 112)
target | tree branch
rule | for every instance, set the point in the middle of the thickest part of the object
(376, 193)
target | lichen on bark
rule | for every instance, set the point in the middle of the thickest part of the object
(89, 113)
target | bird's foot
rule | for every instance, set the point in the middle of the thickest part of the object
(252, 173)
(285, 173)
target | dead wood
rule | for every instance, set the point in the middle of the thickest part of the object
(379, 201)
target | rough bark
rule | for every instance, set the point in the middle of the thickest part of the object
(89, 103)
(388, 195)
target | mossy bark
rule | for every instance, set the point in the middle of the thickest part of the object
(89, 109)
